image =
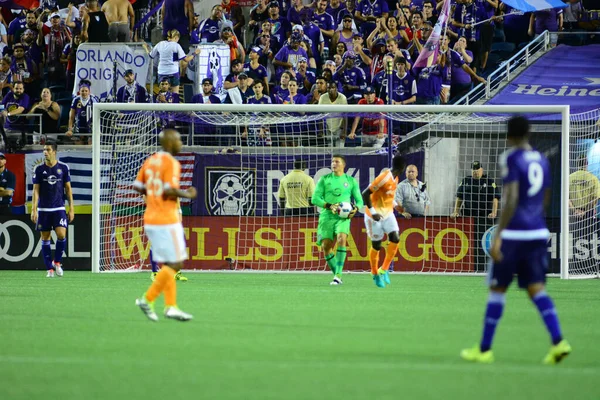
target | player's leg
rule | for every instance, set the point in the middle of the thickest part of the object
(340, 254)
(47, 253)
(390, 227)
(61, 244)
(325, 236)
(154, 265)
(533, 277)
(375, 234)
(500, 277)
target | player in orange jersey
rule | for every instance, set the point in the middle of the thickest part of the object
(380, 219)
(158, 179)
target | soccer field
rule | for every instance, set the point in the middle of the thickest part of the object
(286, 336)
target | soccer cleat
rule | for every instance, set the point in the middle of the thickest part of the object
(58, 268)
(50, 273)
(147, 308)
(336, 281)
(475, 354)
(179, 277)
(378, 279)
(153, 276)
(175, 313)
(385, 275)
(558, 352)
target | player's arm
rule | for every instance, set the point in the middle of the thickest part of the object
(366, 196)
(69, 193)
(190, 193)
(511, 196)
(358, 199)
(318, 197)
(34, 202)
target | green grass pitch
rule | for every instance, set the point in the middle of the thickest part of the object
(286, 336)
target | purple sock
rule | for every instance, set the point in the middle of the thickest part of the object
(493, 313)
(60, 248)
(546, 308)
(154, 264)
(47, 254)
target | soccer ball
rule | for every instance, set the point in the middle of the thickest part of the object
(344, 209)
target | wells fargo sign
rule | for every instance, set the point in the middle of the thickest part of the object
(288, 243)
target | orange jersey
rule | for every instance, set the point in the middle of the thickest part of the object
(160, 171)
(383, 192)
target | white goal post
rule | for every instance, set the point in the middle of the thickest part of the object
(120, 130)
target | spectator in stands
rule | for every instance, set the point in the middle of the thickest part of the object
(287, 58)
(330, 67)
(337, 9)
(378, 52)
(94, 24)
(258, 14)
(165, 93)
(245, 88)
(179, 15)
(281, 91)
(259, 96)
(206, 96)
(318, 89)
(312, 32)
(194, 34)
(430, 80)
(293, 14)
(325, 23)
(50, 111)
(69, 57)
(28, 39)
(293, 96)
(380, 80)
(281, 28)
(404, 87)
(368, 12)
(25, 69)
(5, 76)
(55, 40)
(428, 12)
(374, 130)
(131, 92)
(169, 53)
(364, 55)
(73, 18)
(17, 26)
(486, 9)
(80, 116)
(461, 75)
(236, 50)
(16, 102)
(233, 13)
(465, 15)
(550, 19)
(340, 49)
(417, 23)
(305, 78)
(338, 60)
(255, 70)
(336, 127)
(350, 6)
(411, 197)
(7, 187)
(32, 24)
(351, 78)
(232, 80)
(573, 13)
(395, 51)
(121, 20)
(210, 28)
(343, 36)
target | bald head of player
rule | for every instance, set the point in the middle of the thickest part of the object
(170, 140)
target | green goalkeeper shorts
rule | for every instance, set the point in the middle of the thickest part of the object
(330, 225)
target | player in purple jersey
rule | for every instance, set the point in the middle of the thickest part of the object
(519, 245)
(51, 182)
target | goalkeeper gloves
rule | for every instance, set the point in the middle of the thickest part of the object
(334, 208)
(353, 212)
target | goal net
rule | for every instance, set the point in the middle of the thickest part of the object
(238, 156)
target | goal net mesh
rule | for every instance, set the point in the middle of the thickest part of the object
(237, 160)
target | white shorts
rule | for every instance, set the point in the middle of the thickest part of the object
(376, 229)
(167, 242)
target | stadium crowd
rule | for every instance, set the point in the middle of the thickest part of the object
(287, 52)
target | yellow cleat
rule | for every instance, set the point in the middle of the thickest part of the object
(475, 354)
(557, 353)
(179, 277)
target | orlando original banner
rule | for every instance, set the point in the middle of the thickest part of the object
(252, 189)
(95, 62)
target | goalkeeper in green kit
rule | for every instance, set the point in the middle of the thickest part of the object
(331, 190)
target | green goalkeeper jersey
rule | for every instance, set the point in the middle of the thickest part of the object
(336, 189)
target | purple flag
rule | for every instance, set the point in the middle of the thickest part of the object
(429, 54)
